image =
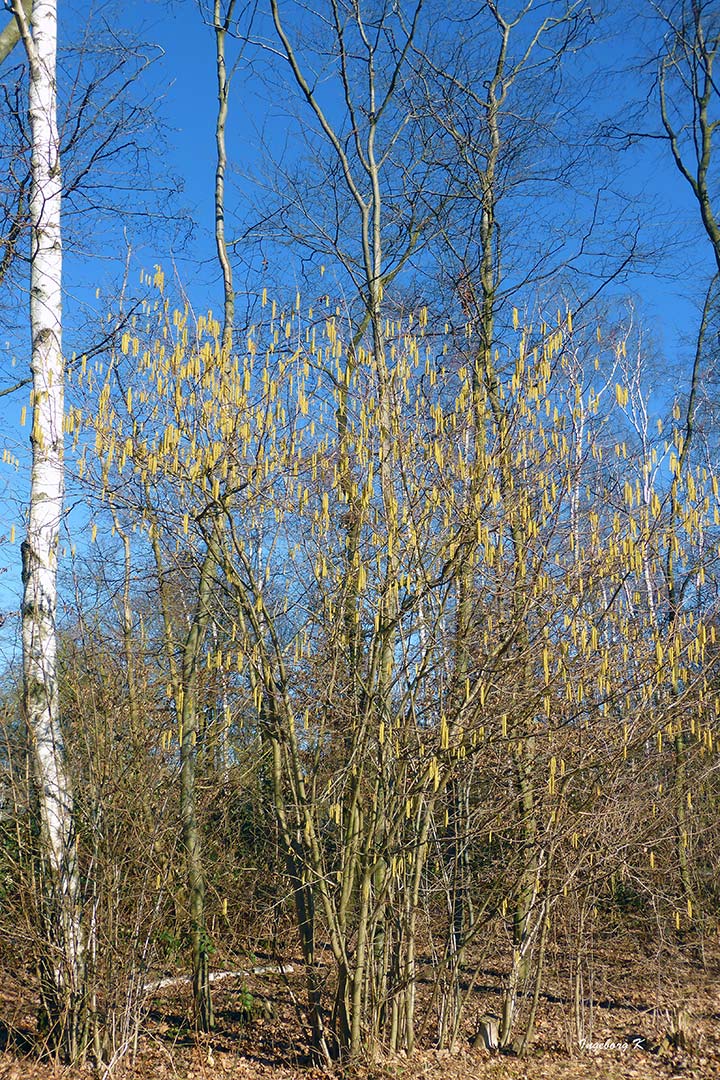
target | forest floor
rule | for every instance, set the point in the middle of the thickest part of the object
(626, 1012)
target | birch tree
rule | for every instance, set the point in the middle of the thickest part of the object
(62, 960)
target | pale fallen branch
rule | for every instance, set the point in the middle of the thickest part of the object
(216, 976)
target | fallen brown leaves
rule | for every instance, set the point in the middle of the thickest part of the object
(627, 1021)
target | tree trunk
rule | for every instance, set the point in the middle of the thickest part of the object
(10, 35)
(191, 828)
(62, 962)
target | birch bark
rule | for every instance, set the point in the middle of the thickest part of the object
(62, 962)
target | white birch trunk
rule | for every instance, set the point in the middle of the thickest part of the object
(61, 901)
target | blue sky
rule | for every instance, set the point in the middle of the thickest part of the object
(183, 82)
(669, 292)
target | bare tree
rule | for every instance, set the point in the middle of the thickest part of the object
(689, 99)
(485, 103)
(11, 35)
(186, 695)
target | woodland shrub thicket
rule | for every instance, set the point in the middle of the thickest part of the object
(389, 634)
